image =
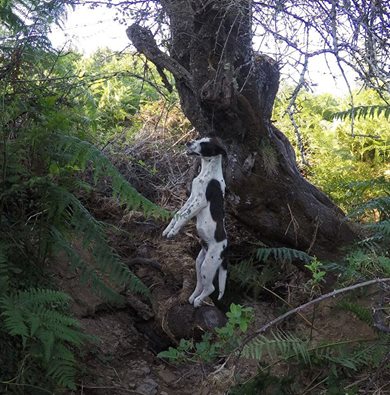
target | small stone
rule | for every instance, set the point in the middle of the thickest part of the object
(144, 370)
(148, 387)
(167, 376)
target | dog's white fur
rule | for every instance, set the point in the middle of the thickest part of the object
(207, 195)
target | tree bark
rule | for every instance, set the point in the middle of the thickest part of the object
(228, 91)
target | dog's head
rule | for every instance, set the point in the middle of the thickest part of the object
(205, 147)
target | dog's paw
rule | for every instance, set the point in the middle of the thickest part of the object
(198, 302)
(167, 230)
(191, 299)
(172, 233)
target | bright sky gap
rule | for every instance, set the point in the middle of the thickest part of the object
(87, 30)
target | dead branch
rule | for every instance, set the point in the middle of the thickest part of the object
(145, 43)
(308, 304)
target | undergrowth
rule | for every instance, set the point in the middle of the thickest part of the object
(47, 167)
(50, 118)
(329, 366)
(215, 345)
(295, 362)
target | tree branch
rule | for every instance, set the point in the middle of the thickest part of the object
(145, 43)
(312, 302)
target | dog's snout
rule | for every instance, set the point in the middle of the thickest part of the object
(188, 144)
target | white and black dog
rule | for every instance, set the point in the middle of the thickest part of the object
(206, 202)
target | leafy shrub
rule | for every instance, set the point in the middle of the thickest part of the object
(217, 345)
(48, 122)
(341, 164)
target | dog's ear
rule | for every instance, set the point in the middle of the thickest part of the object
(212, 147)
(218, 147)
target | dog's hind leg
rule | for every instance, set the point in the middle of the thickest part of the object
(199, 285)
(222, 275)
(209, 267)
(222, 272)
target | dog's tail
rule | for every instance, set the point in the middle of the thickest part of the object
(222, 274)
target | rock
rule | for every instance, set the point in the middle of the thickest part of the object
(167, 376)
(184, 321)
(144, 370)
(148, 387)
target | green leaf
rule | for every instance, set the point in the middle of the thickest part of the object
(35, 323)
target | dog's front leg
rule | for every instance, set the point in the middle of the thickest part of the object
(172, 224)
(183, 216)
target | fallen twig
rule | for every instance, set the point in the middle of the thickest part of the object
(308, 304)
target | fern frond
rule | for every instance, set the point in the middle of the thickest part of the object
(282, 345)
(13, 318)
(244, 272)
(41, 297)
(282, 254)
(361, 312)
(25, 311)
(47, 332)
(364, 112)
(381, 228)
(380, 205)
(81, 153)
(61, 366)
(253, 276)
(4, 266)
(92, 234)
(351, 359)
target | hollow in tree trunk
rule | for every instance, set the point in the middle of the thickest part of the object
(228, 91)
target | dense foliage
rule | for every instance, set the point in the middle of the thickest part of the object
(58, 112)
(349, 165)
(54, 107)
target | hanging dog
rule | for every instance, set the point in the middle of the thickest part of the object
(206, 203)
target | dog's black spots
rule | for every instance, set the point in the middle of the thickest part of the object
(215, 197)
(211, 148)
(204, 245)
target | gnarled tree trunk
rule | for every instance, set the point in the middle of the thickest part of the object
(227, 90)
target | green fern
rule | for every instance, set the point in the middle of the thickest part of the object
(380, 205)
(82, 224)
(47, 334)
(82, 153)
(4, 278)
(381, 228)
(281, 345)
(364, 112)
(354, 359)
(244, 272)
(253, 277)
(361, 312)
(110, 262)
(282, 254)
